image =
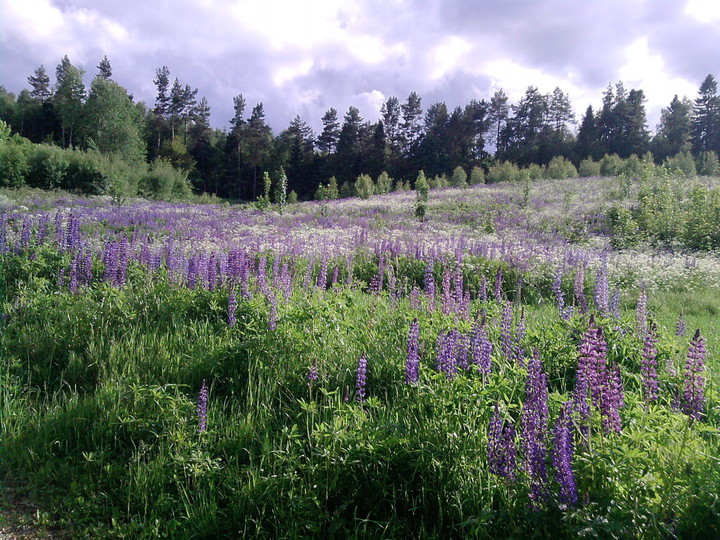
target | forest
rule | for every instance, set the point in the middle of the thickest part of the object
(101, 140)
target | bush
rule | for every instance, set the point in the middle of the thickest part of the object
(47, 167)
(163, 181)
(681, 164)
(459, 177)
(534, 171)
(588, 167)
(560, 168)
(364, 186)
(383, 184)
(707, 164)
(477, 176)
(611, 165)
(14, 166)
(503, 172)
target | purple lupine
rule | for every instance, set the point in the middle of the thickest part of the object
(448, 303)
(518, 338)
(481, 348)
(349, 270)
(202, 404)
(601, 291)
(612, 399)
(26, 233)
(415, 294)
(579, 288)
(429, 283)
(412, 362)
(3, 233)
(534, 430)
(232, 307)
(361, 379)
(498, 284)
(558, 293)
(614, 304)
(693, 398)
(649, 365)
(501, 446)
(462, 346)
(483, 289)
(75, 272)
(641, 313)
(321, 282)
(335, 276)
(446, 361)
(680, 326)
(122, 261)
(87, 267)
(72, 239)
(506, 338)
(312, 375)
(272, 304)
(192, 272)
(212, 272)
(562, 456)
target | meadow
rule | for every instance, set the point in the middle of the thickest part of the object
(528, 359)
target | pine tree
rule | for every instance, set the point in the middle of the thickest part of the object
(69, 98)
(328, 139)
(40, 83)
(674, 130)
(104, 68)
(706, 123)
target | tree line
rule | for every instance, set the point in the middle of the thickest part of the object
(232, 162)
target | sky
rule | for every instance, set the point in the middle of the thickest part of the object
(301, 58)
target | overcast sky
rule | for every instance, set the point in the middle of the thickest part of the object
(305, 57)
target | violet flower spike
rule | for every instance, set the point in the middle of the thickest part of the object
(361, 379)
(202, 404)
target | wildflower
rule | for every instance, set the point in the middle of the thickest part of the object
(481, 348)
(641, 313)
(202, 403)
(680, 325)
(693, 399)
(563, 451)
(534, 429)
(498, 284)
(412, 364)
(312, 375)
(232, 306)
(649, 365)
(501, 446)
(361, 379)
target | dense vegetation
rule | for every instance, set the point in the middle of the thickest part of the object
(481, 362)
(536, 132)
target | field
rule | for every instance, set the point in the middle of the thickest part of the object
(536, 358)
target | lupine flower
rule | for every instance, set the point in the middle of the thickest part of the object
(429, 283)
(579, 288)
(680, 325)
(649, 366)
(612, 399)
(601, 287)
(614, 304)
(232, 306)
(498, 284)
(563, 452)
(272, 315)
(448, 304)
(202, 404)
(446, 361)
(506, 338)
(483, 289)
(321, 282)
(361, 379)
(501, 446)
(558, 293)
(412, 362)
(415, 294)
(481, 348)
(534, 430)
(693, 398)
(519, 338)
(312, 375)
(641, 313)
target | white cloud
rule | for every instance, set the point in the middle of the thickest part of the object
(706, 11)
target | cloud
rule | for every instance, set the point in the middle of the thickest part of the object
(303, 58)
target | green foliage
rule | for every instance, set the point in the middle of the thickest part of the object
(503, 172)
(383, 184)
(681, 164)
(48, 167)
(280, 191)
(611, 165)
(332, 188)
(292, 197)
(477, 176)
(459, 177)
(707, 164)
(14, 166)
(165, 182)
(364, 186)
(534, 171)
(422, 189)
(588, 167)
(560, 168)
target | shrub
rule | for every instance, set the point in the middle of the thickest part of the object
(611, 165)
(477, 176)
(560, 168)
(364, 186)
(383, 183)
(588, 167)
(459, 177)
(534, 171)
(707, 164)
(163, 181)
(14, 166)
(503, 172)
(681, 164)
